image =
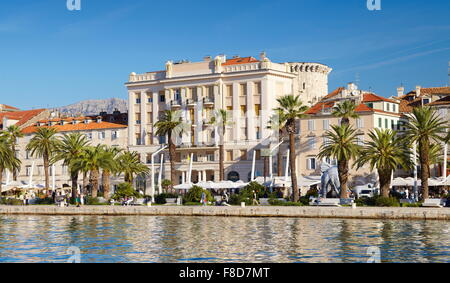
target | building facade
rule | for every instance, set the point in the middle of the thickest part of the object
(106, 129)
(374, 112)
(246, 87)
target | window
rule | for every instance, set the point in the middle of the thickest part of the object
(359, 123)
(149, 98)
(392, 125)
(229, 155)
(257, 88)
(89, 136)
(229, 92)
(137, 118)
(101, 135)
(162, 140)
(210, 157)
(138, 99)
(162, 98)
(258, 133)
(257, 110)
(388, 107)
(243, 155)
(114, 135)
(394, 106)
(426, 101)
(312, 143)
(311, 163)
(386, 125)
(243, 89)
(177, 94)
(27, 154)
(311, 125)
(370, 105)
(28, 170)
(243, 110)
(380, 123)
(326, 124)
(138, 139)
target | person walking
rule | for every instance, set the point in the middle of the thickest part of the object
(203, 199)
(255, 198)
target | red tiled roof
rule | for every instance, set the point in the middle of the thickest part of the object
(334, 93)
(238, 61)
(359, 109)
(371, 97)
(9, 107)
(78, 127)
(21, 116)
(442, 101)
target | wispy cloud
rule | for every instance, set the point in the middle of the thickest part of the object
(392, 61)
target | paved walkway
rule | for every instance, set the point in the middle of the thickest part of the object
(235, 211)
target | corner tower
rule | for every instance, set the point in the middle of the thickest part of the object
(311, 82)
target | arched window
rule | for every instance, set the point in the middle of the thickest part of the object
(233, 176)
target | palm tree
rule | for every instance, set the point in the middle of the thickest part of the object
(345, 110)
(13, 133)
(44, 145)
(277, 123)
(424, 127)
(8, 160)
(385, 151)
(172, 126)
(341, 145)
(130, 164)
(112, 167)
(92, 160)
(221, 120)
(292, 109)
(69, 150)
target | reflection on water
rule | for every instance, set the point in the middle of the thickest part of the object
(211, 239)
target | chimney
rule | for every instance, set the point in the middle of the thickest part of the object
(262, 55)
(418, 91)
(400, 91)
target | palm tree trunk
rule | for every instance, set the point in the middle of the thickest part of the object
(292, 157)
(221, 162)
(106, 184)
(1, 178)
(385, 182)
(46, 166)
(94, 180)
(343, 177)
(74, 178)
(172, 154)
(424, 149)
(85, 182)
(14, 171)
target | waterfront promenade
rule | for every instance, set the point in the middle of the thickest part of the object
(235, 211)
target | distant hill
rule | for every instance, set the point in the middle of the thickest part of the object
(94, 107)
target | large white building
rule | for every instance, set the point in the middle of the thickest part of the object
(246, 87)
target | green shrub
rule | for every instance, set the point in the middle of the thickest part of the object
(378, 201)
(194, 195)
(161, 198)
(10, 201)
(386, 202)
(417, 204)
(44, 201)
(246, 194)
(125, 190)
(277, 202)
(192, 203)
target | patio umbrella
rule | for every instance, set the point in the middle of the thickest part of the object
(183, 187)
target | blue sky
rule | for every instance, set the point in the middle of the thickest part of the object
(50, 56)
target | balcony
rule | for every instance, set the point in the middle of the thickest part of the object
(208, 102)
(175, 104)
(191, 103)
